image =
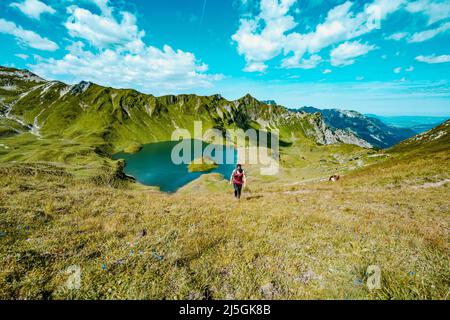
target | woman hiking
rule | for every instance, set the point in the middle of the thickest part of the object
(238, 179)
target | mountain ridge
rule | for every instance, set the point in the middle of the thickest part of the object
(30, 99)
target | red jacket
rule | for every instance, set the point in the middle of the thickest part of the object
(238, 177)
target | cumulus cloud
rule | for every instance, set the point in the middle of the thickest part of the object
(327, 71)
(255, 67)
(151, 69)
(27, 37)
(434, 10)
(111, 52)
(262, 44)
(432, 59)
(103, 30)
(269, 34)
(346, 53)
(313, 61)
(398, 70)
(103, 5)
(33, 8)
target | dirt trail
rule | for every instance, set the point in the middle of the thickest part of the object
(432, 184)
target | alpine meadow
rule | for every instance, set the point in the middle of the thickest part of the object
(93, 205)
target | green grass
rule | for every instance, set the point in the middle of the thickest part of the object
(307, 241)
(202, 164)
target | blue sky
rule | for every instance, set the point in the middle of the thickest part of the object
(389, 57)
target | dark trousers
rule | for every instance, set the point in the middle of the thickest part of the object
(237, 190)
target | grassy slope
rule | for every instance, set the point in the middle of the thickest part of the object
(289, 238)
(312, 240)
(308, 241)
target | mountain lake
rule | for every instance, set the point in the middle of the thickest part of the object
(153, 165)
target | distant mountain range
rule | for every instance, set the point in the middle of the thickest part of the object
(369, 128)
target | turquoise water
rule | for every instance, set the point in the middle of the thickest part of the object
(153, 165)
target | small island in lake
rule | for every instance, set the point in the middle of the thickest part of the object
(133, 148)
(202, 164)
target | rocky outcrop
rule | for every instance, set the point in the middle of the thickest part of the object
(326, 135)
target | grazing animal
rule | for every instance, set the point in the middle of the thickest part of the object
(334, 178)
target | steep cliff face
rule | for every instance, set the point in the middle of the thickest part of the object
(325, 135)
(120, 116)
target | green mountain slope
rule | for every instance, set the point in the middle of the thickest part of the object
(120, 115)
(50, 121)
(432, 141)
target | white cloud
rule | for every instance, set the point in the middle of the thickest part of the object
(255, 67)
(33, 8)
(103, 6)
(397, 36)
(262, 45)
(102, 30)
(346, 53)
(313, 61)
(27, 37)
(410, 69)
(434, 59)
(398, 70)
(359, 78)
(434, 10)
(151, 69)
(380, 9)
(269, 34)
(327, 71)
(429, 34)
(120, 58)
(22, 56)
